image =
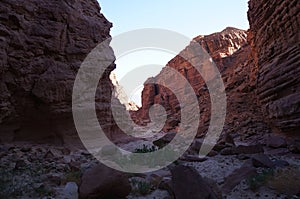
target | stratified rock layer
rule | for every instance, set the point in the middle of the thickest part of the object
(232, 54)
(42, 45)
(275, 39)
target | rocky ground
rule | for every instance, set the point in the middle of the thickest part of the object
(233, 169)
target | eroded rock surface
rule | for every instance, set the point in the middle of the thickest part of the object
(274, 28)
(230, 51)
(42, 45)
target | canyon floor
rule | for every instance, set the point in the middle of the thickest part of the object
(233, 169)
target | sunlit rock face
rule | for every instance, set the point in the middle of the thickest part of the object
(259, 68)
(42, 45)
(223, 44)
(120, 93)
(232, 55)
(275, 36)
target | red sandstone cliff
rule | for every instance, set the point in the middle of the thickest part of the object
(261, 79)
(232, 54)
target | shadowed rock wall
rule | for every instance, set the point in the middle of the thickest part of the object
(275, 41)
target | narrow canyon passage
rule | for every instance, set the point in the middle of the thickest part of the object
(44, 45)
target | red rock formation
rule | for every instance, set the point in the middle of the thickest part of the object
(223, 44)
(267, 73)
(232, 54)
(275, 38)
(42, 44)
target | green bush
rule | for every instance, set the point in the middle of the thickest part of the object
(72, 176)
(286, 181)
(145, 149)
(260, 179)
(141, 187)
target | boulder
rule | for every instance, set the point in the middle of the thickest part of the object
(262, 160)
(294, 146)
(281, 163)
(242, 149)
(103, 182)
(166, 139)
(251, 149)
(166, 184)
(71, 191)
(237, 176)
(188, 183)
(275, 141)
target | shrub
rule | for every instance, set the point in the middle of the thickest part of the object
(145, 149)
(260, 179)
(72, 176)
(286, 181)
(141, 187)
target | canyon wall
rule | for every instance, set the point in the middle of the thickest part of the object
(232, 54)
(261, 75)
(42, 45)
(275, 40)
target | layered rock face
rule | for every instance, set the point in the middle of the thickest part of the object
(275, 36)
(42, 45)
(261, 79)
(232, 55)
(223, 44)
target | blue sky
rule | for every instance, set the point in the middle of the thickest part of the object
(190, 18)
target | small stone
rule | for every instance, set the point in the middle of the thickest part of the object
(212, 153)
(55, 179)
(262, 160)
(193, 158)
(251, 149)
(75, 166)
(227, 140)
(2, 154)
(62, 167)
(154, 179)
(281, 163)
(71, 191)
(219, 147)
(85, 153)
(276, 141)
(67, 159)
(38, 185)
(12, 165)
(227, 151)
(109, 150)
(279, 151)
(66, 151)
(294, 147)
(242, 157)
(25, 149)
(53, 153)
(20, 164)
